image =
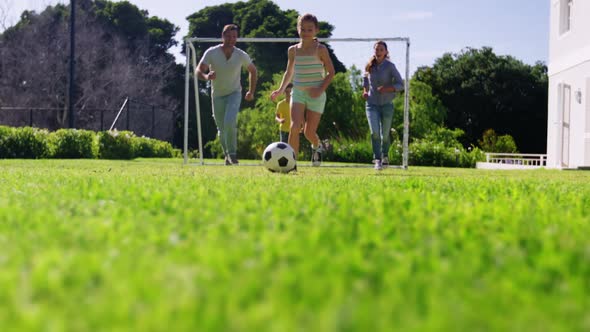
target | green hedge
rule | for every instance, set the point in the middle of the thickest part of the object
(5, 134)
(74, 144)
(347, 150)
(24, 143)
(116, 145)
(428, 153)
(440, 148)
(145, 147)
(33, 143)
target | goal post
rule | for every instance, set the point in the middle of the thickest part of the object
(191, 59)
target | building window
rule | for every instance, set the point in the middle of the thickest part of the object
(565, 112)
(565, 13)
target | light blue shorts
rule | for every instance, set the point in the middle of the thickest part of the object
(313, 104)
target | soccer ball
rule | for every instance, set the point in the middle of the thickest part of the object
(279, 157)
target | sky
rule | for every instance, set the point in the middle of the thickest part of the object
(519, 28)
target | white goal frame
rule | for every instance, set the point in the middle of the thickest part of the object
(192, 56)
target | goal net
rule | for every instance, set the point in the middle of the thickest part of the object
(192, 63)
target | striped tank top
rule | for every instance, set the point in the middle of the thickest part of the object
(309, 71)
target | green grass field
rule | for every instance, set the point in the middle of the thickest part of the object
(157, 246)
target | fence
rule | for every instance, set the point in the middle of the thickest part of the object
(141, 118)
(513, 161)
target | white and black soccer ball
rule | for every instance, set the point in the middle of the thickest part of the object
(279, 157)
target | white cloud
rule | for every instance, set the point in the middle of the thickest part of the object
(413, 16)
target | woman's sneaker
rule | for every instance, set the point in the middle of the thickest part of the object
(385, 162)
(316, 156)
(231, 160)
(378, 165)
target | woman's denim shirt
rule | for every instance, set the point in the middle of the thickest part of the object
(382, 74)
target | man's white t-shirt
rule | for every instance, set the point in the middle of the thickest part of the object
(227, 80)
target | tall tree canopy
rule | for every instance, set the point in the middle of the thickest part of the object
(482, 90)
(256, 18)
(121, 51)
(136, 25)
(427, 112)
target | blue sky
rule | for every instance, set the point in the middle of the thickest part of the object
(511, 27)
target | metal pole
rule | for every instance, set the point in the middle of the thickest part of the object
(196, 79)
(119, 113)
(406, 108)
(71, 115)
(186, 100)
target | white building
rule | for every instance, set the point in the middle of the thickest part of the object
(568, 125)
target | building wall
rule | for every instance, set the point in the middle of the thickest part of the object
(567, 47)
(578, 80)
(569, 65)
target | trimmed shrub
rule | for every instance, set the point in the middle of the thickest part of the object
(5, 137)
(446, 137)
(491, 142)
(145, 147)
(439, 148)
(34, 143)
(429, 153)
(348, 150)
(115, 144)
(215, 148)
(74, 144)
(506, 144)
(25, 143)
(470, 158)
(256, 130)
(396, 152)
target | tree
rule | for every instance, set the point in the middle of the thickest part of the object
(344, 114)
(124, 18)
(482, 90)
(491, 142)
(5, 7)
(115, 59)
(256, 18)
(427, 113)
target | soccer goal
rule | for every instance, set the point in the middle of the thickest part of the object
(191, 59)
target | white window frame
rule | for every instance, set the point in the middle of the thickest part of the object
(565, 110)
(565, 16)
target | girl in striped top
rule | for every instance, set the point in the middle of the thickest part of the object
(310, 67)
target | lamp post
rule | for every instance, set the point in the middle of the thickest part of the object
(71, 115)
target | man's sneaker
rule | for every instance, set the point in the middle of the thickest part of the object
(316, 156)
(234, 160)
(385, 162)
(227, 161)
(378, 165)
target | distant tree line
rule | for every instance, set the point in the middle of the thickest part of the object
(123, 51)
(482, 90)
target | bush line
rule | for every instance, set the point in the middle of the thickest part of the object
(35, 143)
